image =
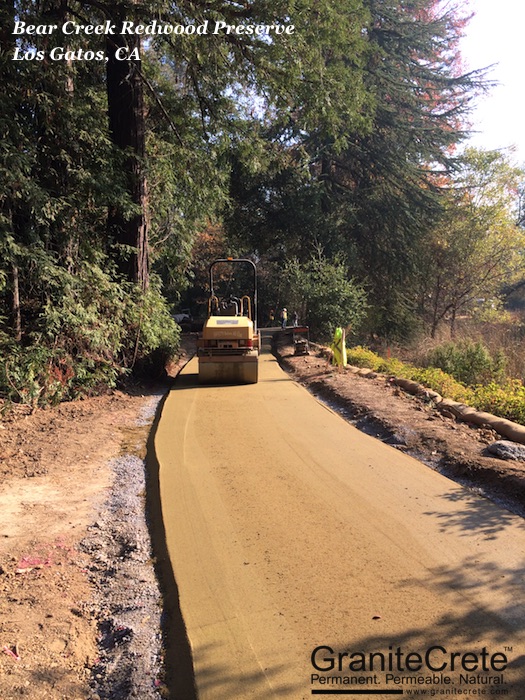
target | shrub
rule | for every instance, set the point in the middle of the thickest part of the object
(92, 332)
(506, 399)
(446, 385)
(432, 377)
(469, 362)
(360, 356)
(394, 367)
(324, 295)
(152, 336)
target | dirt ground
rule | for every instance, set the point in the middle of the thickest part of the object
(80, 608)
(72, 528)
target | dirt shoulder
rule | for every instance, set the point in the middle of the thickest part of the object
(80, 607)
(76, 577)
(414, 425)
(80, 604)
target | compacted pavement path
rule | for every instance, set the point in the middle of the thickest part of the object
(314, 560)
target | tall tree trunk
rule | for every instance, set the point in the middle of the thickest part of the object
(127, 127)
(435, 306)
(17, 318)
(453, 323)
(7, 20)
(7, 47)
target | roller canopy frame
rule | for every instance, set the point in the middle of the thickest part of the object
(234, 261)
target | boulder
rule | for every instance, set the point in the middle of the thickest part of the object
(506, 449)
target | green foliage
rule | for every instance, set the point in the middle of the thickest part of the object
(275, 206)
(504, 400)
(383, 186)
(431, 377)
(82, 327)
(151, 335)
(39, 375)
(446, 385)
(29, 376)
(317, 140)
(491, 311)
(360, 356)
(469, 362)
(323, 295)
(475, 247)
(84, 313)
(91, 333)
(365, 189)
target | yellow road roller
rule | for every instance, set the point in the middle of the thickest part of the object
(228, 348)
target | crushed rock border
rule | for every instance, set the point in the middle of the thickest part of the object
(135, 600)
(127, 601)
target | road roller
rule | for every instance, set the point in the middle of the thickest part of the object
(228, 347)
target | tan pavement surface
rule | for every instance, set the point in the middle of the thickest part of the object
(290, 530)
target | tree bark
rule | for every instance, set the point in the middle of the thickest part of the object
(17, 318)
(127, 127)
(7, 45)
(453, 323)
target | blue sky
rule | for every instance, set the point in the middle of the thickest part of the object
(495, 35)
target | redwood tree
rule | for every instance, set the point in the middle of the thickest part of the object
(128, 227)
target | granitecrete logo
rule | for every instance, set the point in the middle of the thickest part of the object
(434, 672)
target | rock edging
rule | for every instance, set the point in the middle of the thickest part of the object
(504, 427)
